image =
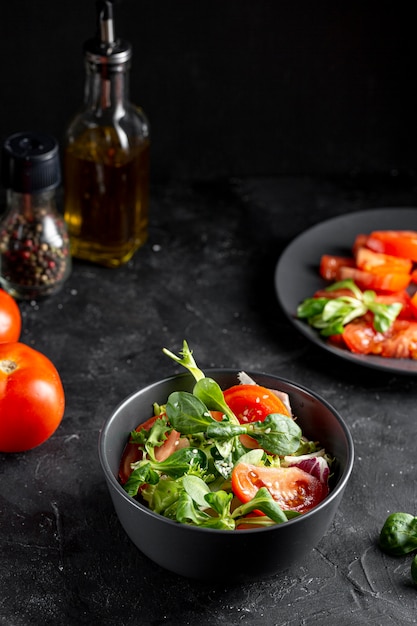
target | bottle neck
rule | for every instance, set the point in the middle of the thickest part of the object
(106, 88)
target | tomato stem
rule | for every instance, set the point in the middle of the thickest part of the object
(7, 366)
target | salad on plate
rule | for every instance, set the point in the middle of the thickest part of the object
(371, 305)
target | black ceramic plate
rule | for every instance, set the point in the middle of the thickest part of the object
(297, 272)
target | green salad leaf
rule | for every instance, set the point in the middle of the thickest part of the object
(186, 413)
(330, 315)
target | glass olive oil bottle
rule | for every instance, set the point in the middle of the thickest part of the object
(106, 156)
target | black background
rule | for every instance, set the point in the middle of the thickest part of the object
(231, 87)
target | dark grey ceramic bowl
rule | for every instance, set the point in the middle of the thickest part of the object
(220, 555)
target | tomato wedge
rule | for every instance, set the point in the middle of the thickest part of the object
(330, 265)
(402, 243)
(252, 403)
(291, 487)
(400, 341)
(378, 262)
(131, 453)
(394, 281)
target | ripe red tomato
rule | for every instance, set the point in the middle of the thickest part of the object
(32, 399)
(10, 318)
(401, 243)
(252, 403)
(291, 487)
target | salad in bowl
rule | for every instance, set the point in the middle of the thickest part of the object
(227, 459)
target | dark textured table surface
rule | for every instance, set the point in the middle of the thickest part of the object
(206, 275)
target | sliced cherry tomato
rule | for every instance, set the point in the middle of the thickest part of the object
(249, 442)
(252, 403)
(291, 487)
(10, 318)
(402, 243)
(168, 447)
(395, 281)
(217, 415)
(132, 454)
(400, 341)
(360, 336)
(337, 341)
(370, 261)
(32, 399)
(360, 242)
(414, 276)
(330, 265)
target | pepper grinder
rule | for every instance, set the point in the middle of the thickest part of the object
(35, 255)
(106, 155)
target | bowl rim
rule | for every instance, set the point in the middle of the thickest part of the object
(112, 480)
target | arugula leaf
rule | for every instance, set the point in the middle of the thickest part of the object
(330, 315)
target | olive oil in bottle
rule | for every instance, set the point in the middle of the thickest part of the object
(106, 157)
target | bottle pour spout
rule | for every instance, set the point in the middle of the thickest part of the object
(104, 47)
(105, 22)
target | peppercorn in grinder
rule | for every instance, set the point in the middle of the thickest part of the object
(35, 256)
(106, 156)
